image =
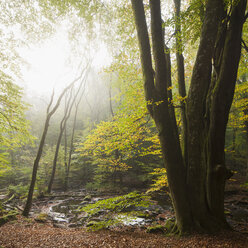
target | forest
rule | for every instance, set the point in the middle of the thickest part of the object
(123, 123)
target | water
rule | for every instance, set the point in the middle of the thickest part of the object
(131, 220)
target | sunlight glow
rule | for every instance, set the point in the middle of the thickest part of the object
(53, 65)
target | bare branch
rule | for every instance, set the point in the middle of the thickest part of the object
(244, 45)
(51, 101)
(246, 16)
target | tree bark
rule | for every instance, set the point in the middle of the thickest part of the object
(222, 97)
(62, 129)
(197, 191)
(157, 103)
(67, 172)
(181, 79)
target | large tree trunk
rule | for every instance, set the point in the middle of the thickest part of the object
(222, 97)
(197, 190)
(157, 103)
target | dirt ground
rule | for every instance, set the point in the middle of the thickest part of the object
(24, 233)
(27, 233)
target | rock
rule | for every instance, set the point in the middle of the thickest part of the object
(57, 225)
(73, 225)
(83, 215)
(91, 223)
(42, 218)
(3, 197)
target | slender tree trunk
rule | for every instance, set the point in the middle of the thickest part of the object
(71, 149)
(40, 149)
(72, 141)
(70, 104)
(65, 149)
(42, 142)
(62, 129)
(234, 132)
(246, 131)
(181, 79)
(110, 101)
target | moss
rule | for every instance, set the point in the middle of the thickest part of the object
(156, 229)
(8, 217)
(98, 225)
(42, 217)
(117, 204)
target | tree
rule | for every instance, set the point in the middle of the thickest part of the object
(71, 148)
(68, 108)
(50, 113)
(196, 184)
(125, 147)
(14, 128)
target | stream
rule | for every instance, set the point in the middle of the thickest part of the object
(62, 210)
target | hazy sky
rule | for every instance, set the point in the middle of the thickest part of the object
(52, 64)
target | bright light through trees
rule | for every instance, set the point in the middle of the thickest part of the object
(52, 64)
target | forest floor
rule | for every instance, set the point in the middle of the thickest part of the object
(26, 232)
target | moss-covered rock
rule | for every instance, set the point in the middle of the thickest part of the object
(8, 217)
(42, 218)
(87, 198)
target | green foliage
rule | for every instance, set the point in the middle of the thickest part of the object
(19, 191)
(160, 180)
(126, 143)
(13, 124)
(237, 129)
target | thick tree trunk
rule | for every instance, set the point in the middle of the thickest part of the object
(157, 103)
(197, 191)
(222, 97)
(196, 109)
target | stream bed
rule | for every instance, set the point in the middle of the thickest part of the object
(62, 211)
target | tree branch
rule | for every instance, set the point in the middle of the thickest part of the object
(244, 45)
(145, 49)
(246, 16)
